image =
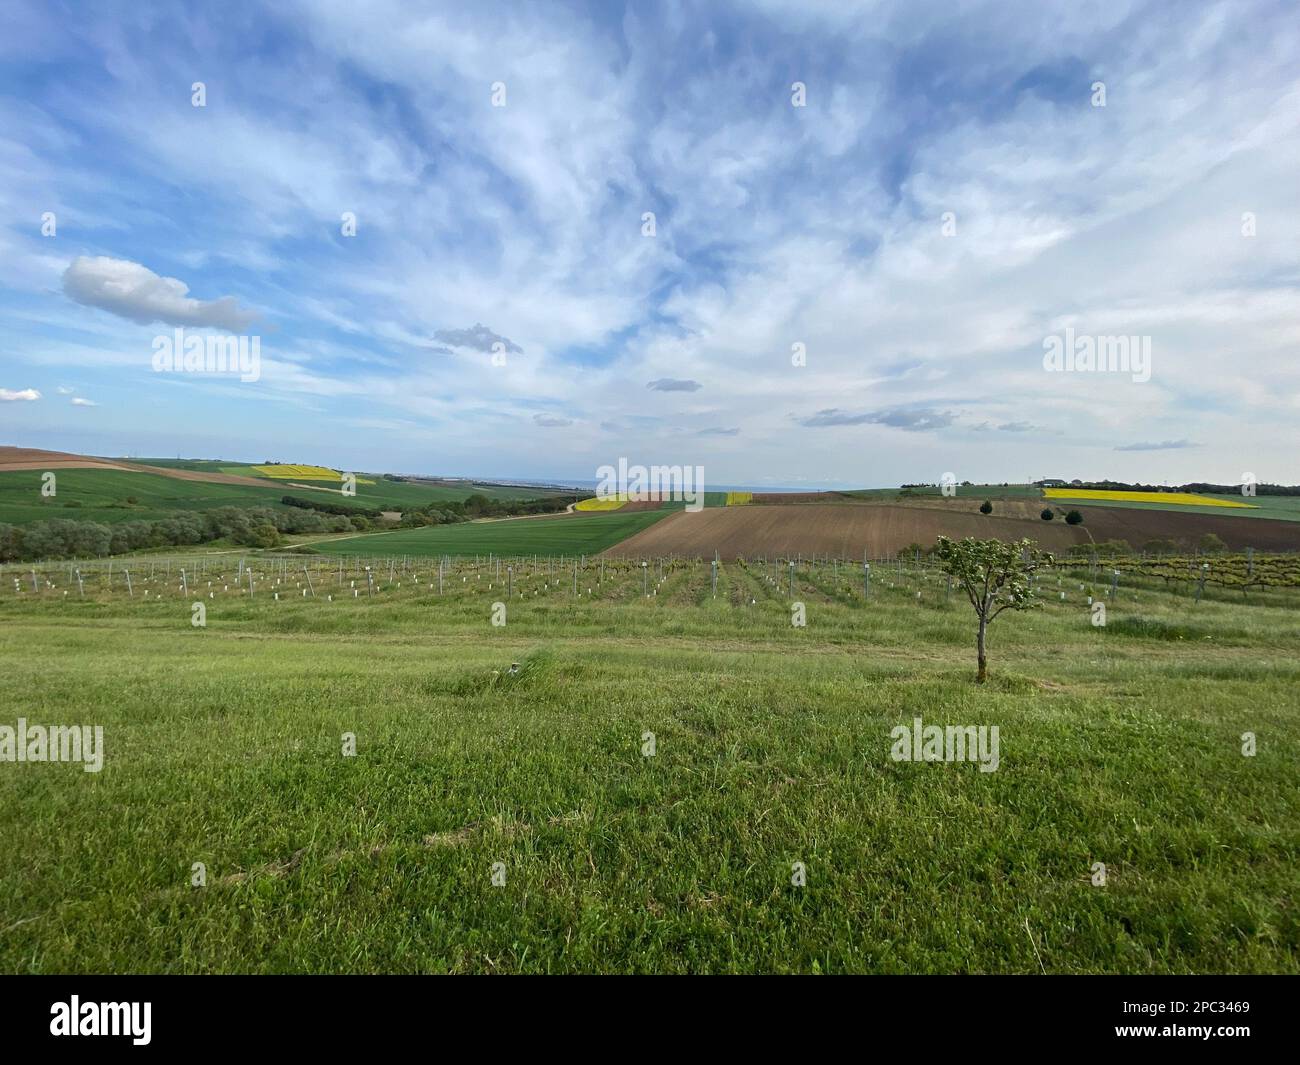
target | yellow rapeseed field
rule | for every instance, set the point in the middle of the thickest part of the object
(594, 504)
(1189, 499)
(288, 471)
(739, 499)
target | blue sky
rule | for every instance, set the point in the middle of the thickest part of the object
(775, 226)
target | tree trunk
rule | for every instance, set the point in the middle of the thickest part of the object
(983, 660)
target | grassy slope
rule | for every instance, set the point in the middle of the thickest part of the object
(575, 534)
(1279, 508)
(771, 748)
(99, 490)
(199, 465)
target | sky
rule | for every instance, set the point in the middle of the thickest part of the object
(817, 244)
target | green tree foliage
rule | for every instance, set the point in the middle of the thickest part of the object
(996, 576)
(1211, 544)
(254, 527)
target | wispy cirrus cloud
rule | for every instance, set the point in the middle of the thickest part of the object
(916, 421)
(1123, 220)
(1166, 445)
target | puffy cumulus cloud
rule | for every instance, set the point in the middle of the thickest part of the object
(78, 401)
(26, 395)
(136, 293)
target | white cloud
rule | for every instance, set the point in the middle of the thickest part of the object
(27, 395)
(135, 292)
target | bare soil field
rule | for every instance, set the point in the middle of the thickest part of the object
(883, 528)
(26, 458)
(1139, 526)
(786, 498)
(847, 531)
(1020, 509)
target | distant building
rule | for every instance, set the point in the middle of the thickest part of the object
(1050, 482)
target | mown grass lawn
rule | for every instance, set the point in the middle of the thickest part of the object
(771, 746)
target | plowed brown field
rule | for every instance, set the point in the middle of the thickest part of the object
(1139, 526)
(882, 529)
(817, 528)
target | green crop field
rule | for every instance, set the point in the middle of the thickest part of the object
(102, 495)
(566, 534)
(635, 795)
(1278, 508)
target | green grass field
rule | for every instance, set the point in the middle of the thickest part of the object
(223, 746)
(101, 495)
(1277, 508)
(565, 534)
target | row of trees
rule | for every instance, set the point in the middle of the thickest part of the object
(1208, 544)
(1204, 487)
(326, 507)
(252, 527)
(446, 512)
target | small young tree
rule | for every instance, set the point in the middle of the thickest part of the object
(1048, 514)
(986, 507)
(1074, 518)
(996, 577)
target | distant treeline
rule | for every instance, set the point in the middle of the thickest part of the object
(444, 512)
(253, 527)
(480, 506)
(326, 507)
